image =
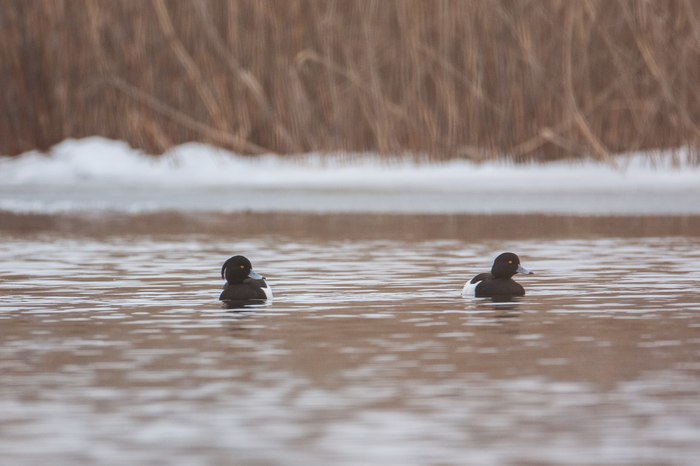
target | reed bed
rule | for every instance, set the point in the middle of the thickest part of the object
(479, 79)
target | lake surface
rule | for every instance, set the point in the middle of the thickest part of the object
(115, 350)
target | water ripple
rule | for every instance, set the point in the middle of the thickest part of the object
(118, 351)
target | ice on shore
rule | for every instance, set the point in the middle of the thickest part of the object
(97, 174)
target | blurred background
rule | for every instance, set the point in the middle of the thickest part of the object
(479, 79)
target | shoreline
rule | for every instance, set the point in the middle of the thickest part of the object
(349, 226)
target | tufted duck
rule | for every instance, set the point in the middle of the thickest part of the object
(498, 283)
(242, 283)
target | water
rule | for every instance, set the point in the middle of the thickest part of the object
(678, 200)
(115, 350)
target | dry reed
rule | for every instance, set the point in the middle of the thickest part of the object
(476, 79)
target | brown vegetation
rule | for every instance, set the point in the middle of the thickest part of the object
(531, 79)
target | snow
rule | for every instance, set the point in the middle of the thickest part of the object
(101, 174)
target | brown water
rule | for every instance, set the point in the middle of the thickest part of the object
(115, 350)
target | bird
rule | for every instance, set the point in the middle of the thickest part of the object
(242, 283)
(498, 283)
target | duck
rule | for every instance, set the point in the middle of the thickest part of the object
(242, 283)
(498, 283)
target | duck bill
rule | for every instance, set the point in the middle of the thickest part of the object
(255, 276)
(523, 270)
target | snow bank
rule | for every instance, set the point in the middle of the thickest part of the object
(97, 160)
(95, 166)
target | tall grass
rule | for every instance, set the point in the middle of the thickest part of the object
(478, 79)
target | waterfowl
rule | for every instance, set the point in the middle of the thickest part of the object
(498, 283)
(242, 283)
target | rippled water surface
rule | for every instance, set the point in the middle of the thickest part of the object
(115, 350)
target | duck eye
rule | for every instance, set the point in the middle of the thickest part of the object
(243, 266)
(510, 262)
